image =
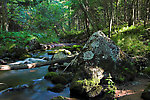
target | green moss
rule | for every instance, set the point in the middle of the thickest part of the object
(133, 40)
(60, 50)
(24, 56)
(59, 98)
(82, 86)
(50, 75)
(59, 79)
(56, 78)
(96, 90)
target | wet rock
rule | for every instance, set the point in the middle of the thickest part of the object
(146, 94)
(64, 56)
(88, 88)
(57, 88)
(56, 78)
(60, 54)
(33, 45)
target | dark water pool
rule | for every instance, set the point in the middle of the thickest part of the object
(33, 79)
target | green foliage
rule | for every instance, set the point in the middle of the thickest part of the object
(131, 40)
(147, 70)
(111, 86)
(9, 40)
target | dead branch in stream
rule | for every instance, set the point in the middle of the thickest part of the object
(34, 65)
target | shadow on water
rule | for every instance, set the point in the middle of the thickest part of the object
(34, 81)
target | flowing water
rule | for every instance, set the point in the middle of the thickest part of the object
(27, 84)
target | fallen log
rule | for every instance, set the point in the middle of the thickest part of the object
(34, 65)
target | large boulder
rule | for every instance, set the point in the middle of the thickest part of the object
(99, 54)
(101, 51)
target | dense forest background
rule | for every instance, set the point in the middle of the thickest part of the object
(125, 21)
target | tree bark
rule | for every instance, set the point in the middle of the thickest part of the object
(125, 10)
(4, 16)
(133, 13)
(111, 18)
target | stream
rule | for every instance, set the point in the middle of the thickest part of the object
(27, 84)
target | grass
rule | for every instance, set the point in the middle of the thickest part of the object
(133, 40)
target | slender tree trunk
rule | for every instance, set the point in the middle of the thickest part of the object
(145, 12)
(133, 13)
(125, 10)
(137, 10)
(117, 12)
(130, 13)
(1, 14)
(4, 16)
(111, 18)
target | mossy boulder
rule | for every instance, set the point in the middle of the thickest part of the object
(87, 88)
(102, 52)
(50, 75)
(56, 78)
(57, 88)
(59, 98)
(146, 94)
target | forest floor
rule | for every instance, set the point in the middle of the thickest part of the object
(132, 90)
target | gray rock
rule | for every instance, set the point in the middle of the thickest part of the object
(101, 51)
(99, 55)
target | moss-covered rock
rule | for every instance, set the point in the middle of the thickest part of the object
(56, 78)
(50, 75)
(57, 88)
(59, 98)
(146, 94)
(88, 88)
(73, 48)
(102, 52)
(67, 52)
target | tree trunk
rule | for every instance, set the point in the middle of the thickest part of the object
(133, 13)
(130, 14)
(4, 16)
(125, 10)
(117, 12)
(111, 18)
